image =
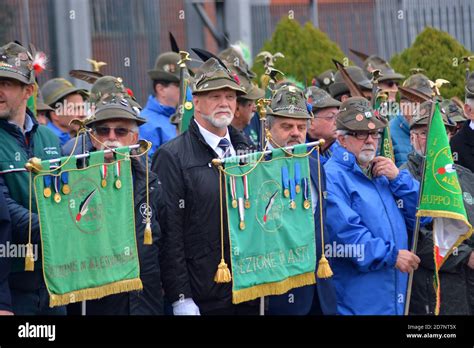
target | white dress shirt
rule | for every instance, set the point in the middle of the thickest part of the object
(213, 140)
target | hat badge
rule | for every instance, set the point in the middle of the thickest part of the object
(169, 68)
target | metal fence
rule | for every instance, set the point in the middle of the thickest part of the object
(129, 34)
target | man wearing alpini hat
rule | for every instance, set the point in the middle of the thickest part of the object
(22, 138)
(370, 206)
(459, 267)
(67, 102)
(115, 123)
(189, 211)
(162, 102)
(288, 121)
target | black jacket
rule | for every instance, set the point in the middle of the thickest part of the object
(150, 300)
(5, 237)
(462, 147)
(189, 215)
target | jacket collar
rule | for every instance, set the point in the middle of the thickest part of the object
(30, 121)
(154, 105)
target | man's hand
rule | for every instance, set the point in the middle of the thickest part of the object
(185, 307)
(384, 166)
(407, 261)
(470, 263)
(6, 312)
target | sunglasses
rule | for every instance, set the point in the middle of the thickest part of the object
(119, 131)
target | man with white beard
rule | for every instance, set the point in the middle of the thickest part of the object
(370, 204)
(189, 212)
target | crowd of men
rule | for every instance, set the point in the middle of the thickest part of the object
(362, 190)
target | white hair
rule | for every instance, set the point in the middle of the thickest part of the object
(341, 132)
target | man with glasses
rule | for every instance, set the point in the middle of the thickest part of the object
(455, 271)
(370, 204)
(323, 125)
(115, 124)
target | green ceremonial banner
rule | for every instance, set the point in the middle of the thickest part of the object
(442, 197)
(271, 225)
(88, 229)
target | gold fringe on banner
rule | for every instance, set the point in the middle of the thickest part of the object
(275, 288)
(95, 293)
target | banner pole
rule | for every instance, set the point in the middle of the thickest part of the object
(416, 232)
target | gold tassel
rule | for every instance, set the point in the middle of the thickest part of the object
(147, 240)
(29, 259)
(223, 273)
(324, 269)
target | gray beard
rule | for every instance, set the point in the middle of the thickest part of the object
(222, 122)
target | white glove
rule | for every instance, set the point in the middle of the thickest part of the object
(185, 307)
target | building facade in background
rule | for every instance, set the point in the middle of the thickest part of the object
(129, 34)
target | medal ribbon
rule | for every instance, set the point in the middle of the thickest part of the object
(246, 187)
(65, 178)
(117, 169)
(47, 181)
(232, 186)
(285, 177)
(241, 209)
(103, 171)
(56, 184)
(297, 173)
(305, 189)
(292, 191)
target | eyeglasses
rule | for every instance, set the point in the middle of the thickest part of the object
(119, 131)
(365, 135)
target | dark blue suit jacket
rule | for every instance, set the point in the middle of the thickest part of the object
(306, 300)
(5, 236)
